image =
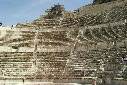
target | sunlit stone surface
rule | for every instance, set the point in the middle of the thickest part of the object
(87, 46)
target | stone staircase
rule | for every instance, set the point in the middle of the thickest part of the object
(45, 49)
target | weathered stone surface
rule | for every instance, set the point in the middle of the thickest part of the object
(102, 1)
(76, 46)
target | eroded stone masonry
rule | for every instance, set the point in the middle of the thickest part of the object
(89, 43)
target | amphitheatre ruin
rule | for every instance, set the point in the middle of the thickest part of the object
(86, 45)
